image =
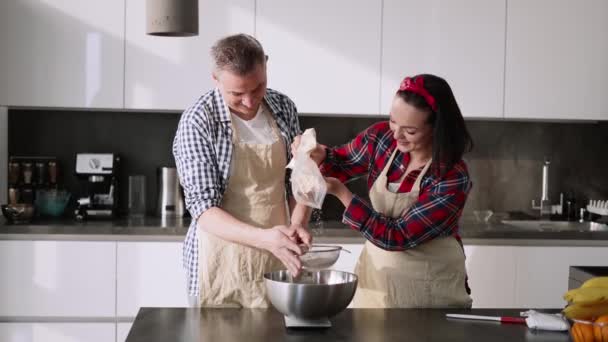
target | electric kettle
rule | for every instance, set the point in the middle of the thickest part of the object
(170, 195)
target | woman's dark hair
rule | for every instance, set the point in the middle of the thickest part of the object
(451, 139)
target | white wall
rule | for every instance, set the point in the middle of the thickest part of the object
(3, 153)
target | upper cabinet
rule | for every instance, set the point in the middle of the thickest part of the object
(171, 73)
(325, 55)
(557, 59)
(461, 41)
(65, 53)
(542, 59)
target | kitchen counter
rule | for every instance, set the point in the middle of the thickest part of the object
(369, 325)
(173, 230)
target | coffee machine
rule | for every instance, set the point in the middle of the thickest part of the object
(98, 172)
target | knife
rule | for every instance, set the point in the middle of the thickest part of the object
(502, 319)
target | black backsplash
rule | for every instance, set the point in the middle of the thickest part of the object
(505, 165)
(142, 140)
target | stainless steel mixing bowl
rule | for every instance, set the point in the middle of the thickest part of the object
(312, 295)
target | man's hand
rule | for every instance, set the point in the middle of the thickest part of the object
(281, 242)
(318, 154)
(301, 235)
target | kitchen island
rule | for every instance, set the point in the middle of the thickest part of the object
(369, 325)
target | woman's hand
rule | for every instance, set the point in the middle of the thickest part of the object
(338, 189)
(318, 154)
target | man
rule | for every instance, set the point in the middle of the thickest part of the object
(231, 148)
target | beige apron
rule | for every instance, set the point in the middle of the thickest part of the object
(431, 275)
(230, 274)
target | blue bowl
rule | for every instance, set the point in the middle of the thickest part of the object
(52, 202)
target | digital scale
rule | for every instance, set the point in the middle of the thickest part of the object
(294, 322)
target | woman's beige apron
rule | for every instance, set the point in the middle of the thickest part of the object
(431, 275)
(230, 274)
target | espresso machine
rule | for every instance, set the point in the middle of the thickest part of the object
(98, 172)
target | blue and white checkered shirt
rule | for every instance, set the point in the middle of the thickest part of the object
(202, 149)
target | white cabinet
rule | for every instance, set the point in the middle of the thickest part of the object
(149, 274)
(57, 278)
(172, 73)
(57, 332)
(525, 276)
(542, 273)
(325, 55)
(461, 41)
(122, 331)
(491, 271)
(66, 53)
(557, 59)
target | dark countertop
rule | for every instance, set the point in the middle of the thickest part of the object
(131, 229)
(369, 325)
(174, 230)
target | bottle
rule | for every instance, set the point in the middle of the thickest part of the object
(28, 172)
(13, 173)
(41, 173)
(571, 207)
(52, 167)
(562, 205)
(581, 215)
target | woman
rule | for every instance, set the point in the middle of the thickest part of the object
(418, 185)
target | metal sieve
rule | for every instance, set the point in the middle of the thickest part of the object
(321, 256)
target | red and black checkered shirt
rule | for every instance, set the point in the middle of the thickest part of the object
(439, 205)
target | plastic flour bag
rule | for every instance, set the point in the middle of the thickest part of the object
(307, 183)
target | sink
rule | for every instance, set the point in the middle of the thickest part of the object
(545, 225)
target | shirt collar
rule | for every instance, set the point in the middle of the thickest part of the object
(224, 115)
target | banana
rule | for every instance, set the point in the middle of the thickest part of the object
(579, 311)
(587, 295)
(596, 282)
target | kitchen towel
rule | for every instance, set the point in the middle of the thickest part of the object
(544, 321)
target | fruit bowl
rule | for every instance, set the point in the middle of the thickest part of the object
(589, 331)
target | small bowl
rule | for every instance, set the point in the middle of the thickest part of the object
(18, 213)
(313, 295)
(588, 331)
(51, 202)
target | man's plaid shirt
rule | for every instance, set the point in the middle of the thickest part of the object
(439, 205)
(202, 149)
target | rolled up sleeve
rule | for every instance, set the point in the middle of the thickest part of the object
(197, 167)
(350, 160)
(436, 213)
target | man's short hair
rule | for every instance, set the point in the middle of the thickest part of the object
(239, 53)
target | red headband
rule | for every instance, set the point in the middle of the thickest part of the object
(417, 87)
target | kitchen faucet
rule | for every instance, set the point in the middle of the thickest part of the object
(545, 204)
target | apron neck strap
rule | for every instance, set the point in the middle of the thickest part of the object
(388, 164)
(421, 175)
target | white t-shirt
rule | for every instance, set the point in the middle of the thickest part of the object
(257, 130)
